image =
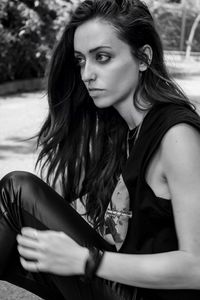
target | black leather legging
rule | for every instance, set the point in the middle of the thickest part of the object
(25, 200)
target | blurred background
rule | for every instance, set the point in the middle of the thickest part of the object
(28, 31)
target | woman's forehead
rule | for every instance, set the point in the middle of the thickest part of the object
(93, 34)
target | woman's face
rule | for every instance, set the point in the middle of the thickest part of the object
(108, 69)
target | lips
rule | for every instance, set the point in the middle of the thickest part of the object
(94, 89)
(94, 92)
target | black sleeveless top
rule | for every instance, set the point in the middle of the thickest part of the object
(152, 228)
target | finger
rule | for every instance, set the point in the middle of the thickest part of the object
(36, 234)
(31, 265)
(29, 253)
(30, 232)
(27, 242)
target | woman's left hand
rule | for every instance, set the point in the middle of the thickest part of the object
(50, 251)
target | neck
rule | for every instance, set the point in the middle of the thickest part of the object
(132, 116)
(136, 120)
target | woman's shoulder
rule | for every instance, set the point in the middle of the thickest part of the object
(182, 123)
(181, 132)
(170, 128)
(181, 143)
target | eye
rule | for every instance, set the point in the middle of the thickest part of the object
(102, 57)
(80, 61)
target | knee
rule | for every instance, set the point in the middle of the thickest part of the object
(16, 178)
(19, 189)
(18, 186)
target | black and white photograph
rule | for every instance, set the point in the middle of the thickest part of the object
(99, 149)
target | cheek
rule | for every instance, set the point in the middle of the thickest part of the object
(126, 72)
(125, 80)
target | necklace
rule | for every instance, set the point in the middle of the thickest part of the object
(132, 136)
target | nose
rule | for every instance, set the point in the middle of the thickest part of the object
(88, 73)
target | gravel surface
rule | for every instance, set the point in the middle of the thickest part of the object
(11, 292)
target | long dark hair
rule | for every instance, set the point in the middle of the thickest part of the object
(84, 146)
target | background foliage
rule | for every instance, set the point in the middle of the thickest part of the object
(29, 29)
(169, 18)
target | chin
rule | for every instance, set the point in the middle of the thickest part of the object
(102, 103)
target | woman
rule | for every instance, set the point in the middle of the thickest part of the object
(123, 142)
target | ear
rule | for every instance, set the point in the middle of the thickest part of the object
(147, 50)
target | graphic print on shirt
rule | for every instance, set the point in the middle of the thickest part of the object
(117, 215)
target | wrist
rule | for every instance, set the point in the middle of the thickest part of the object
(93, 262)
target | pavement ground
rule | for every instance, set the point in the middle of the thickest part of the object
(21, 116)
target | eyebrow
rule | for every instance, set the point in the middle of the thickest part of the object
(94, 49)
